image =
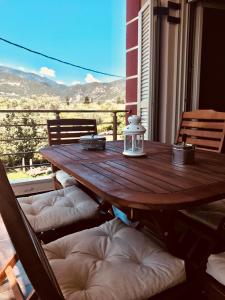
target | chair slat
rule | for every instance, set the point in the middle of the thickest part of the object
(201, 142)
(11, 262)
(72, 122)
(61, 135)
(65, 141)
(202, 133)
(206, 125)
(14, 283)
(204, 115)
(72, 128)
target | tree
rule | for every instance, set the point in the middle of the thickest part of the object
(19, 138)
(119, 100)
(87, 100)
(67, 101)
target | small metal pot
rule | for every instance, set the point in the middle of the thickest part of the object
(183, 154)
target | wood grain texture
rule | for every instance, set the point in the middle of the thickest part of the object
(26, 244)
(14, 283)
(68, 131)
(203, 128)
(11, 262)
(149, 182)
(30, 251)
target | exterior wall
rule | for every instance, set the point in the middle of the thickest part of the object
(143, 2)
(133, 7)
(173, 66)
(173, 70)
(168, 71)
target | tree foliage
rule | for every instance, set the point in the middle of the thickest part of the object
(21, 138)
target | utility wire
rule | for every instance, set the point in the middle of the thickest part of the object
(59, 60)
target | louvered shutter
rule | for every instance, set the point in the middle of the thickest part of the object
(146, 67)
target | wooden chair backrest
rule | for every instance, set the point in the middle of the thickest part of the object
(26, 244)
(67, 131)
(203, 128)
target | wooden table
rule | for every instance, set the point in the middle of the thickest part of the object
(149, 183)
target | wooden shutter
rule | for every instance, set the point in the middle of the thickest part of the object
(146, 67)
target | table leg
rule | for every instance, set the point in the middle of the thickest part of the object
(161, 224)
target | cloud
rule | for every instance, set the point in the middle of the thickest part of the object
(44, 71)
(75, 82)
(60, 82)
(20, 68)
(90, 78)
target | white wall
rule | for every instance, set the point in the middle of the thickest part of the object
(173, 72)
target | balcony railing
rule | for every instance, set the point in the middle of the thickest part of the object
(24, 132)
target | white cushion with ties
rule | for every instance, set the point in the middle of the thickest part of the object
(65, 179)
(113, 262)
(58, 208)
(216, 267)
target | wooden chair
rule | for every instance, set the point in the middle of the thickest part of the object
(67, 131)
(210, 288)
(203, 128)
(213, 283)
(206, 130)
(57, 213)
(47, 229)
(81, 253)
(210, 281)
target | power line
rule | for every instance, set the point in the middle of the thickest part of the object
(59, 60)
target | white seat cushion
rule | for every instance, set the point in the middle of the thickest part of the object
(210, 214)
(65, 179)
(57, 208)
(113, 262)
(216, 267)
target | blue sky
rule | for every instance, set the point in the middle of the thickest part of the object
(89, 33)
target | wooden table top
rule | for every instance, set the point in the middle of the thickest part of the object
(149, 182)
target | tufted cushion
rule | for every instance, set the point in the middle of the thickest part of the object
(65, 179)
(216, 267)
(210, 214)
(55, 209)
(113, 262)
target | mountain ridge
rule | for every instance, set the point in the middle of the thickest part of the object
(19, 84)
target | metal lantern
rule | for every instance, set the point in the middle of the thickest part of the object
(134, 137)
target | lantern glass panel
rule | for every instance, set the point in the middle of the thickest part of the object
(128, 142)
(138, 140)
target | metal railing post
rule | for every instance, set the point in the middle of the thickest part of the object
(114, 126)
(57, 115)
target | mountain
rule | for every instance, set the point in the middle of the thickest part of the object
(18, 84)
